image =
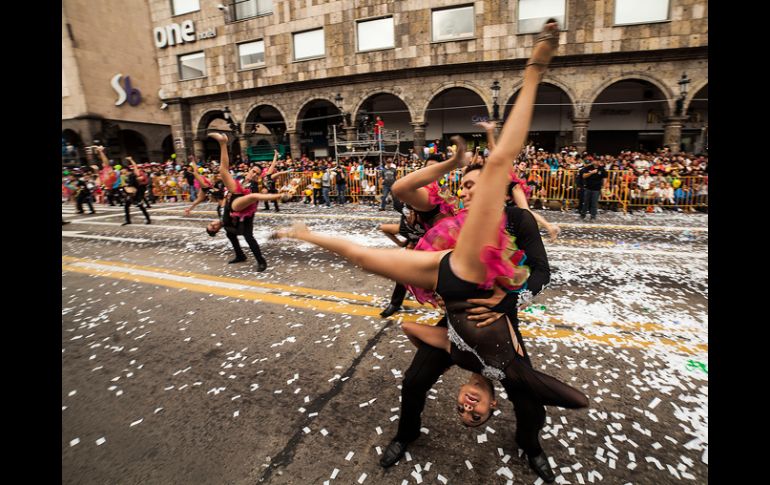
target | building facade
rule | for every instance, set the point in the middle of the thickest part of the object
(110, 82)
(293, 71)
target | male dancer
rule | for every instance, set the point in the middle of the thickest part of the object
(430, 362)
(136, 184)
(240, 206)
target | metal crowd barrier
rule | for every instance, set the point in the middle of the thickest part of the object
(554, 189)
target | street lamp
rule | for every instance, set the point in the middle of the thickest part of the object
(338, 101)
(230, 120)
(683, 82)
(495, 96)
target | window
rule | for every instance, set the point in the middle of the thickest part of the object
(178, 7)
(309, 44)
(252, 54)
(192, 66)
(453, 23)
(244, 9)
(375, 34)
(635, 12)
(534, 13)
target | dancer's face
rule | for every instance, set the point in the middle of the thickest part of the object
(475, 401)
(469, 186)
(214, 226)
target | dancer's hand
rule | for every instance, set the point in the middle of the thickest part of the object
(482, 313)
(296, 231)
(187, 211)
(460, 152)
(219, 137)
(553, 232)
(487, 125)
(440, 301)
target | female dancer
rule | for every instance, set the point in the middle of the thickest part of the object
(477, 261)
(205, 191)
(519, 190)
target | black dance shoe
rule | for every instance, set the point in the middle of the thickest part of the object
(238, 259)
(390, 310)
(125, 223)
(394, 452)
(539, 464)
(261, 266)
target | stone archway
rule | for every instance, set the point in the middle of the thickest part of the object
(628, 114)
(393, 111)
(455, 111)
(133, 144)
(313, 123)
(552, 116)
(167, 147)
(265, 129)
(72, 148)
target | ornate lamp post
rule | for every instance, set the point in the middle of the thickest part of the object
(495, 96)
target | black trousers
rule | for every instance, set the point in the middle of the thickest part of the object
(82, 197)
(429, 364)
(248, 234)
(316, 196)
(112, 196)
(138, 200)
(399, 293)
(267, 202)
(581, 191)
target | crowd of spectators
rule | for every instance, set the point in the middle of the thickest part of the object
(642, 178)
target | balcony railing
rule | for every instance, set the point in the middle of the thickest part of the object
(246, 9)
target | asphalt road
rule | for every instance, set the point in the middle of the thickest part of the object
(180, 368)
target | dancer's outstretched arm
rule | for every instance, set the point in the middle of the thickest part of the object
(103, 157)
(200, 178)
(490, 129)
(244, 201)
(390, 230)
(278, 174)
(410, 188)
(521, 201)
(201, 197)
(416, 268)
(271, 169)
(224, 162)
(482, 225)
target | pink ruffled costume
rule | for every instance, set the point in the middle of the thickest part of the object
(249, 211)
(504, 262)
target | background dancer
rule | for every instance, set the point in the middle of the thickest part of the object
(136, 184)
(206, 187)
(412, 228)
(269, 177)
(240, 206)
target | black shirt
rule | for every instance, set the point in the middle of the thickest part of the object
(593, 181)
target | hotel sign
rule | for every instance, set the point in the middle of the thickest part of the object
(174, 34)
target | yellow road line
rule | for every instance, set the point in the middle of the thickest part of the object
(257, 284)
(323, 305)
(301, 290)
